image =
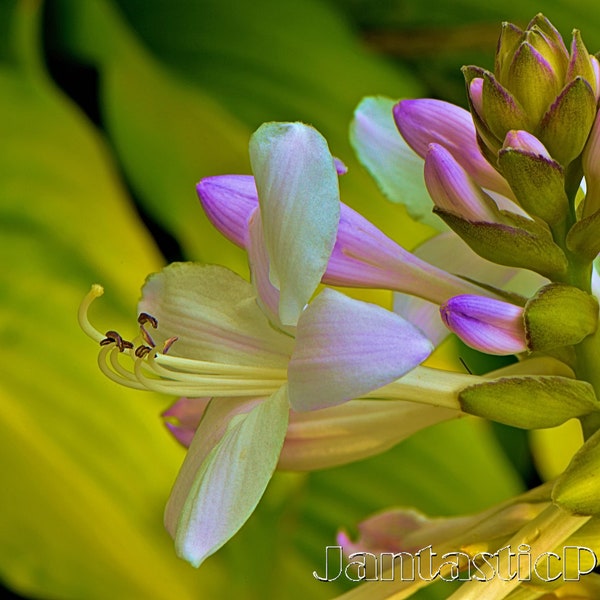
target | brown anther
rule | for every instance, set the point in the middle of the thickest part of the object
(168, 343)
(141, 351)
(146, 318)
(112, 337)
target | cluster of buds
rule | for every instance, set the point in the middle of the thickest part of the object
(538, 87)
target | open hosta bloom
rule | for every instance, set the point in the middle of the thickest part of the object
(278, 371)
(259, 351)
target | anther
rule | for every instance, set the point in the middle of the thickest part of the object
(168, 343)
(112, 337)
(146, 318)
(141, 351)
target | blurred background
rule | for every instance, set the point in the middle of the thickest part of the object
(110, 112)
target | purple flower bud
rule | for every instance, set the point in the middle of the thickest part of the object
(526, 142)
(452, 190)
(488, 325)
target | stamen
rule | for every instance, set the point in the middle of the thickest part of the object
(118, 368)
(147, 337)
(113, 336)
(105, 368)
(168, 343)
(146, 318)
(141, 351)
(202, 384)
(95, 292)
(190, 365)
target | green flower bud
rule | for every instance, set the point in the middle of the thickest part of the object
(567, 124)
(559, 315)
(537, 87)
(578, 488)
(536, 179)
(530, 402)
(517, 242)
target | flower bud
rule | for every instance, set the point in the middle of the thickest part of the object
(578, 488)
(559, 315)
(452, 190)
(538, 87)
(488, 325)
(591, 170)
(536, 179)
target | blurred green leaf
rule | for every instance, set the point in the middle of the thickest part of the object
(437, 41)
(85, 463)
(182, 107)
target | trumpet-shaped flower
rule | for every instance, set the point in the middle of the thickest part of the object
(362, 255)
(203, 334)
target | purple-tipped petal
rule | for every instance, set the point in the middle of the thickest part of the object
(449, 252)
(591, 170)
(340, 167)
(488, 325)
(424, 122)
(385, 532)
(596, 69)
(346, 348)
(298, 193)
(228, 201)
(476, 94)
(453, 190)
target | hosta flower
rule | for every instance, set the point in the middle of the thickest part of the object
(279, 371)
(205, 333)
(525, 541)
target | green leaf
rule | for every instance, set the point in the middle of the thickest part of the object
(182, 107)
(85, 463)
(509, 245)
(559, 315)
(530, 402)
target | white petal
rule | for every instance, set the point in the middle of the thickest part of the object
(346, 348)
(214, 314)
(352, 431)
(298, 192)
(396, 168)
(225, 473)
